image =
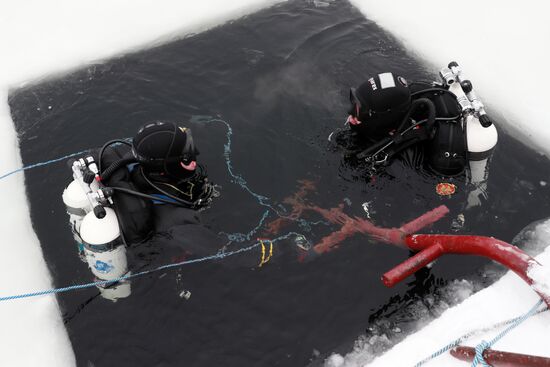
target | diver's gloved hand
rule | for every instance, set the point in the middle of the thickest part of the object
(210, 191)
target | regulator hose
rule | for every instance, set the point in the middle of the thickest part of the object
(107, 144)
(402, 129)
(415, 105)
(127, 159)
(143, 195)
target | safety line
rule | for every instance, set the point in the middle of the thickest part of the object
(515, 321)
(219, 255)
(43, 163)
(480, 348)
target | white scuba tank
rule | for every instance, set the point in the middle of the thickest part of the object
(103, 247)
(77, 205)
(481, 142)
(96, 228)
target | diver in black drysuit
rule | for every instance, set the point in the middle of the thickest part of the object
(419, 123)
(159, 188)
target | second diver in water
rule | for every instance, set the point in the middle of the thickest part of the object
(439, 126)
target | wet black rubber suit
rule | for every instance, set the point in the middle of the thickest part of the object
(167, 218)
(418, 122)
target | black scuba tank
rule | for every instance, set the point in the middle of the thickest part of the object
(446, 153)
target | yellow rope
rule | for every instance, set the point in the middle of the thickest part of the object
(264, 259)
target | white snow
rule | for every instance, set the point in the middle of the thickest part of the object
(40, 38)
(541, 277)
(503, 47)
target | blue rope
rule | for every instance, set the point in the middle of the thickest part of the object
(234, 237)
(480, 348)
(51, 161)
(514, 322)
(43, 163)
(242, 237)
(237, 178)
(217, 256)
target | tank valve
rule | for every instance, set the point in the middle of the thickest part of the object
(99, 212)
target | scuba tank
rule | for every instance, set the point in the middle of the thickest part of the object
(105, 252)
(481, 134)
(96, 228)
(77, 206)
(446, 151)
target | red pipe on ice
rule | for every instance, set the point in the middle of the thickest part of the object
(501, 359)
(431, 247)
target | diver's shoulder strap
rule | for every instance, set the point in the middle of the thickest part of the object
(408, 133)
(133, 213)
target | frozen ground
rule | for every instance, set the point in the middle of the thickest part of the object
(37, 39)
(502, 46)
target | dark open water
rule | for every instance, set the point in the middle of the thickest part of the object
(280, 78)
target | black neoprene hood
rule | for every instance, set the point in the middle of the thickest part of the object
(384, 100)
(160, 146)
(383, 93)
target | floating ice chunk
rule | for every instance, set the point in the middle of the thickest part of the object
(335, 360)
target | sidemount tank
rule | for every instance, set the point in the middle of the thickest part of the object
(481, 140)
(77, 205)
(103, 247)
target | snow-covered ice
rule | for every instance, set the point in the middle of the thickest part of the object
(541, 277)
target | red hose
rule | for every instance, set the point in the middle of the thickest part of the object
(430, 247)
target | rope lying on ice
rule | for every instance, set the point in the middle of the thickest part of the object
(480, 348)
(512, 322)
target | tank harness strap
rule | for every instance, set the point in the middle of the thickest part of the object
(265, 259)
(404, 137)
(401, 142)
